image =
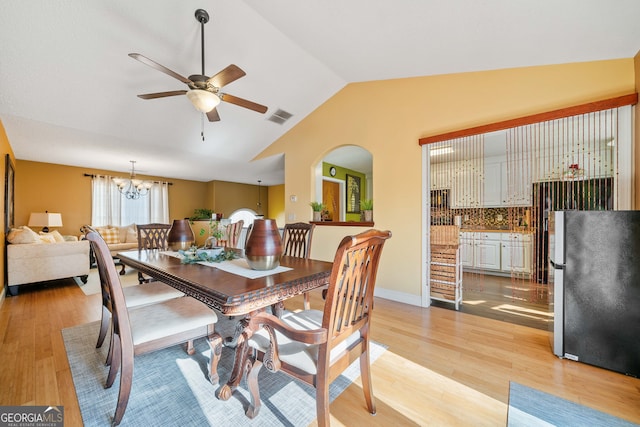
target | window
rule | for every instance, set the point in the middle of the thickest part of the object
(109, 207)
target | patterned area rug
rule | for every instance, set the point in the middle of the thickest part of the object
(531, 408)
(170, 387)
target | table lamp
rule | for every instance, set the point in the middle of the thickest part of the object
(45, 220)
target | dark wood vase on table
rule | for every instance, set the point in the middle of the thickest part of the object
(180, 235)
(264, 246)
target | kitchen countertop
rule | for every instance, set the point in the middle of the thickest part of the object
(494, 230)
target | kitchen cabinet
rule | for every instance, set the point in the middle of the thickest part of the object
(487, 251)
(496, 252)
(467, 186)
(466, 249)
(516, 185)
(493, 185)
(440, 177)
(516, 252)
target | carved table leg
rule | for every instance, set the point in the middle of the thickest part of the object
(238, 371)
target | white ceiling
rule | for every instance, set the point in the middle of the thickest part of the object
(68, 89)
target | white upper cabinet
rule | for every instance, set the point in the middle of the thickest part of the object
(493, 185)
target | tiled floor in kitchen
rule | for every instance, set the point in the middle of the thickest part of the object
(513, 300)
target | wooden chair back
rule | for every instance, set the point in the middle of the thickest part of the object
(233, 233)
(350, 292)
(153, 236)
(297, 239)
(246, 237)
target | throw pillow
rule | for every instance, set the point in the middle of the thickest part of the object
(109, 234)
(47, 238)
(57, 237)
(132, 234)
(22, 236)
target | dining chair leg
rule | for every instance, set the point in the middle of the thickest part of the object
(322, 401)
(254, 390)
(115, 363)
(191, 350)
(126, 378)
(307, 302)
(365, 375)
(215, 343)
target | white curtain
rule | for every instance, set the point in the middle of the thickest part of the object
(109, 207)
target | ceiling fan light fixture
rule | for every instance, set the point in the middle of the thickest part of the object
(203, 100)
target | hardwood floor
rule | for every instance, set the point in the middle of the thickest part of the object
(514, 300)
(441, 368)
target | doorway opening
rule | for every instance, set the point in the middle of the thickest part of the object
(499, 189)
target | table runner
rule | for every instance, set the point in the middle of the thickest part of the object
(237, 266)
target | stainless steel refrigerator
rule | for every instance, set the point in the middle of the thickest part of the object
(594, 285)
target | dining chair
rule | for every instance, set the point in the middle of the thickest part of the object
(297, 242)
(246, 236)
(317, 346)
(151, 327)
(152, 236)
(233, 233)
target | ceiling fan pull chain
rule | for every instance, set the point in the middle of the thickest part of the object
(202, 126)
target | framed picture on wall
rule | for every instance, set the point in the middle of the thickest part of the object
(9, 178)
(353, 194)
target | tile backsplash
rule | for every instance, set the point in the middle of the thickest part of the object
(485, 218)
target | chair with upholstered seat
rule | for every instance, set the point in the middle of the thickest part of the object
(151, 327)
(316, 346)
(146, 293)
(297, 242)
(233, 233)
(152, 236)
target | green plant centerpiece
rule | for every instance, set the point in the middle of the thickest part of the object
(192, 256)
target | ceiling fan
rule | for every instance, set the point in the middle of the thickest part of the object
(204, 92)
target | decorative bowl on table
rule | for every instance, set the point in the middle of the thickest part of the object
(212, 252)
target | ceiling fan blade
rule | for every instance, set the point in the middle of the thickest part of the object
(162, 94)
(159, 67)
(213, 115)
(226, 76)
(243, 103)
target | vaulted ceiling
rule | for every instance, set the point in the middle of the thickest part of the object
(68, 87)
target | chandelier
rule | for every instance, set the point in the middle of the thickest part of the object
(132, 188)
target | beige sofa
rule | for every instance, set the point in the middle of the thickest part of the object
(36, 258)
(118, 239)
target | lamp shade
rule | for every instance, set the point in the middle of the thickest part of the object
(45, 219)
(203, 100)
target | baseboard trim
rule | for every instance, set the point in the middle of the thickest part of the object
(402, 297)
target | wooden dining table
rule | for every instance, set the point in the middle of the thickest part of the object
(231, 294)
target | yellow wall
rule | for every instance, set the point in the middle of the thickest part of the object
(65, 189)
(276, 204)
(5, 148)
(389, 117)
(228, 197)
